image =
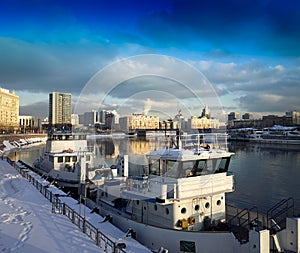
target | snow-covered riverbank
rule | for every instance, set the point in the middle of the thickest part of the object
(27, 224)
(8, 145)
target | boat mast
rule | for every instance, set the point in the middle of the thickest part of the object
(178, 134)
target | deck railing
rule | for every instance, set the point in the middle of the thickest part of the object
(276, 215)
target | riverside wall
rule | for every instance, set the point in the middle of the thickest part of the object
(16, 137)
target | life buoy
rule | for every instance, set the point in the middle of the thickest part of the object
(69, 150)
(205, 146)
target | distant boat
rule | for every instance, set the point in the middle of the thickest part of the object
(276, 134)
(66, 159)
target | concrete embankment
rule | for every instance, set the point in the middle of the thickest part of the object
(16, 137)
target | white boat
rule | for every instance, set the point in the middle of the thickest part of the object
(66, 159)
(276, 134)
(180, 205)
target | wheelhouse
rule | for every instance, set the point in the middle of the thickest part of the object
(175, 168)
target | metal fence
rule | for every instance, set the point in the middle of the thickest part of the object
(60, 207)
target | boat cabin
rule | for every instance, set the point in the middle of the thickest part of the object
(185, 189)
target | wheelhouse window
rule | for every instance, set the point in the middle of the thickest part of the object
(223, 166)
(154, 167)
(74, 159)
(218, 165)
(171, 168)
(67, 159)
(181, 169)
(198, 168)
(60, 159)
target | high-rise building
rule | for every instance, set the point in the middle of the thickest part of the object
(60, 110)
(88, 118)
(9, 111)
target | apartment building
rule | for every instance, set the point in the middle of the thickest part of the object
(9, 111)
(60, 110)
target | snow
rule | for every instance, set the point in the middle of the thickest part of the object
(28, 225)
(8, 146)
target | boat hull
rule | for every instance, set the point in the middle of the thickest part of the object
(174, 241)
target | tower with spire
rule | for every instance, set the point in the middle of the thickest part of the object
(205, 112)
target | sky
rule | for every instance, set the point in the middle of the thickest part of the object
(135, 56)
(27, 224)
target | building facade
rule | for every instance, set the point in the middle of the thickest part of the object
(27, 123)
(203, 123)
(138, 122)
(291, 118)
(75, 119)
(60, 110)
(295, 117)
(9, 111)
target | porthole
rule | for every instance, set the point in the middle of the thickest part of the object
(218, 202)
(197, 207)
(207, 205)
(183, 210)
(167, 210)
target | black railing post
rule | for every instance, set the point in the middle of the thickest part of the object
(98, 238)
(73, 216)
(84, 225)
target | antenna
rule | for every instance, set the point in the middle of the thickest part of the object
(179, 144)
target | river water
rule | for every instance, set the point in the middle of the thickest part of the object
(264, 173)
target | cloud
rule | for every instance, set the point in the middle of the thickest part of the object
(260, 103)
(45, 68)
(38, 109)
(74, 48)
(255, 85)
(151, 76)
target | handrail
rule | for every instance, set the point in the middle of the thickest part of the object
(240, 215)
(57, 205)
(280, 208)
